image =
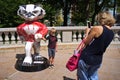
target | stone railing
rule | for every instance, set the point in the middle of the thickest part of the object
(64, 35)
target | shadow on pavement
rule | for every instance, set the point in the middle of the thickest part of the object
(67, 78)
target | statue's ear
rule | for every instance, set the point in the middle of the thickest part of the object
(19, 11)
(22, 6)
(43, 12)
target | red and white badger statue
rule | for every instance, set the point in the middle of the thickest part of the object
(31, 31)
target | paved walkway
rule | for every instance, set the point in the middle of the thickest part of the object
(110, 69)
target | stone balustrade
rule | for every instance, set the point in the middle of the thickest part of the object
(64, 35)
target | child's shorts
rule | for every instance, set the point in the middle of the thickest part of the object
(51, 52)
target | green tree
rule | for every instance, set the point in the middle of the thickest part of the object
(52, 8)
(8, 12)
(82, 10)
(88, 11)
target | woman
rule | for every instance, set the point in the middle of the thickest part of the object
(95, 44)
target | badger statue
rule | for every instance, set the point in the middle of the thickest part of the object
(31, 31)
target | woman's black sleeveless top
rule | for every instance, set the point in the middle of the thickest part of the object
(93, 52)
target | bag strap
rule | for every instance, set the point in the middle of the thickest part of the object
(89, 26)
(80, 44)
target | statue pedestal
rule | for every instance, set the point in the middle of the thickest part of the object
(37, 65)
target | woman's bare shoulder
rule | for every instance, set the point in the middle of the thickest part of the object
(98, 30)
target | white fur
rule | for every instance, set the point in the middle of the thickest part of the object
(38, 37)
(31, 29)
(31, 12)
(28, 57)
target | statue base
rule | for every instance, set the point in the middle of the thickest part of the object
(37, 65)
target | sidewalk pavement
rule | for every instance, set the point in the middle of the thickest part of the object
(110, 69)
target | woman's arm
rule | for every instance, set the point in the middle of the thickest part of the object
(93, 33)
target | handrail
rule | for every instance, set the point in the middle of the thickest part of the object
(64, 34)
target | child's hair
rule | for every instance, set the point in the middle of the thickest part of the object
(53, 30)
(105, 18)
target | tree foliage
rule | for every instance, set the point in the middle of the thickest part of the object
(87, 9)
(82, 10)
(8, 11)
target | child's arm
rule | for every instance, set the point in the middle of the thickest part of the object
(56, 47)
(43, 38)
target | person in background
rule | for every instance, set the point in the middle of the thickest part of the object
(96, 41)
(52, 45)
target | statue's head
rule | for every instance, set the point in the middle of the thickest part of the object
(31, 12)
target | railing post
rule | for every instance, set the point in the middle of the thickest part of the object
(1, 38)
(79, 35)
(116, 36)
(59, 36)
(13, 37)
(74, 36)
(6, 38)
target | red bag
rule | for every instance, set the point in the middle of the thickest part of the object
(72, 63)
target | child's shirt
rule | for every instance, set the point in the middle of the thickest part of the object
(52, 40)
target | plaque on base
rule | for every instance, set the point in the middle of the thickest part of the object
(37, 65)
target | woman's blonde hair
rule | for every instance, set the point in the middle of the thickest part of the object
(105, 18)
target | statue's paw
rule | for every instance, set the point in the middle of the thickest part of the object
(38, 37)
(27, 61)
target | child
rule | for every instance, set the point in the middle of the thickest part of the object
(52, 45)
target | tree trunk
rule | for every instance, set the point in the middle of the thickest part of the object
(65, 13)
